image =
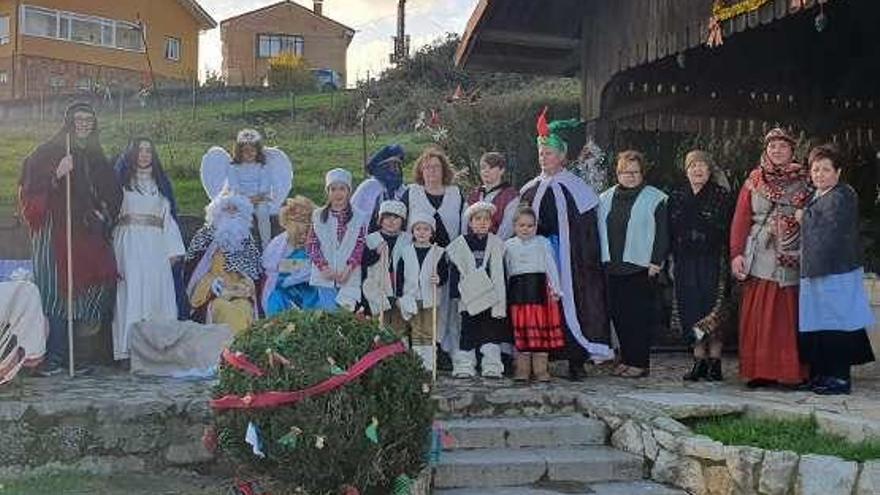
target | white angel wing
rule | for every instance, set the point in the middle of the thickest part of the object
(280, 170)
(215, 171)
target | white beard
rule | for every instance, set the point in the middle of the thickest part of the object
(230, 231)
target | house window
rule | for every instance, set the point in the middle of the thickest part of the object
(4, 78)
(271, 45)
(172, 48)
(78, 28)
(4, 29)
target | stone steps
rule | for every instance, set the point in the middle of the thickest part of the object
(615, 488)
(524, 466)
(518, 432)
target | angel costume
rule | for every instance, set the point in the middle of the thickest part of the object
(145, 240)
(287, 264)
(266, 181)
(224, 265)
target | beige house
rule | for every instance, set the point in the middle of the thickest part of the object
(251, 39)
(62, 46)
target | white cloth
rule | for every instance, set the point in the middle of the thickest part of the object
(426, 354)
(377, 285)
(533, 255)
(337, 254)
(490, 364)
(366, 196)
(417, 286)
(145, 290)
(464, 364)
(450, 208)
(22, 310)
(174, 347)
(463, 258)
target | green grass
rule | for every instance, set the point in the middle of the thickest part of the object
(182, 141)
(69, 483)
(801, 436)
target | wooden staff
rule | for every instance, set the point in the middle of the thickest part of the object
(434, 320)
(69, 234)
(384, 261)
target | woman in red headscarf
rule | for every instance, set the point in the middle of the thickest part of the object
(765, 256)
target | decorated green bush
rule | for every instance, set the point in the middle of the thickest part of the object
(371, 432)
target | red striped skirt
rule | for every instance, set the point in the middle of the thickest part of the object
(537, 327)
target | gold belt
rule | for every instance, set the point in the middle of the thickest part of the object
(146, 220)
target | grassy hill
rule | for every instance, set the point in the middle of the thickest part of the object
(314, 145)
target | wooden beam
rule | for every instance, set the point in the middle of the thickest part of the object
(522, 38)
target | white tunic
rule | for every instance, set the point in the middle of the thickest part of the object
(144, 241)
(22, 311)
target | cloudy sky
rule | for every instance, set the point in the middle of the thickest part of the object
(374, 21)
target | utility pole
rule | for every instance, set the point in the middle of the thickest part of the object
(401, 41)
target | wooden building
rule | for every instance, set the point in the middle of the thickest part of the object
(52, 47)
(645, 65)
(251, 39)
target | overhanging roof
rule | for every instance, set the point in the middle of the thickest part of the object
(542, 37)
(205, 20)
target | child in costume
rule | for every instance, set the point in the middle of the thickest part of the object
(533, 292)
(262, 174)
(336, 243)
(225, 265)
(287, 264)
(421, 271)
(477, 279)
(494, 189)
(383, 250)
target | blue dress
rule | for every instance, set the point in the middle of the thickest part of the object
(292, 289)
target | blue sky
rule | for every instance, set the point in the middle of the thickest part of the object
(375, 21)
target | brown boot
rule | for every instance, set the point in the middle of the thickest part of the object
(539, 365)
(523, 366)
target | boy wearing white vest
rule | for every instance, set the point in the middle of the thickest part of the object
(422, 270)
(477, 278)
(336, 243)
(383, 250)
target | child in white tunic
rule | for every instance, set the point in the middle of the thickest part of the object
(422, 271)
(336, 244)
(477, 278)
(383, 251)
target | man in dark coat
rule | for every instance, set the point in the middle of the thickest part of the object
(567, 215)
(95, 198)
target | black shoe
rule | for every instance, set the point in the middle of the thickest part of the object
(833, 386)
(49, 369)
(444, 362)
(700, 370)
(576, 372)
(760, 382)
(714, 374)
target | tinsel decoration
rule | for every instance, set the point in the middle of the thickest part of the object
(372, 431)
(335, 370)
(320, 441)
(291, 438)
(402, 485)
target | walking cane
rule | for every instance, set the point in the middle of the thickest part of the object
(384, 261)
(434, 322)
(69, 271)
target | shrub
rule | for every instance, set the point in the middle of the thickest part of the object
(394, 392)
(290, 72)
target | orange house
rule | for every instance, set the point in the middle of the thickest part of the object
(52, 47)
(251, 39)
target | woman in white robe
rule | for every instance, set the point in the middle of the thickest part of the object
(146, 242)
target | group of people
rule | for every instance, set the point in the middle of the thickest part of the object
(537, 273)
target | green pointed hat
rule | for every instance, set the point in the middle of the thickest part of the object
(548, 134)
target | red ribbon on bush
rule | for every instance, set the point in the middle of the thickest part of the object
(274, 399)
(241, 362)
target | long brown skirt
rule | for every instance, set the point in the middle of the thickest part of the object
(768, 334)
